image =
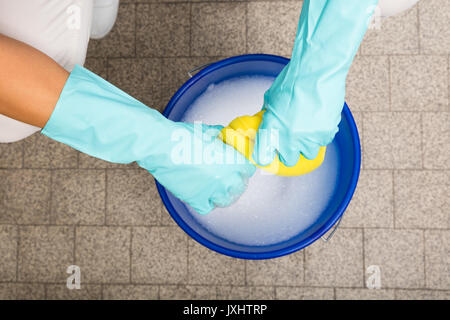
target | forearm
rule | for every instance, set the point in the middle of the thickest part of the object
(313, 83)
(30, 82)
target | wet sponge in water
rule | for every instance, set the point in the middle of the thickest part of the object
(241, 133)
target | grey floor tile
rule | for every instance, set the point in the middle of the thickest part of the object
(132, 198)
(162, 29)
(392, 140)
(304, 293)
(399, 255)
(338, 262)
(245, 293)
(187, 292)
(159, 255)
(78, 197)
(421, 199)
(120, 42)
(130, 292)
(287, 270)
(87, 162)
(45, 253)
(140, 78)
(208, 267)
(25, 196)
(103, 254)
(364, 294)
(218, 29)
(44, 153)
(272, 26)
(368, 84)
(99, 66)
(422, 295)
(436, 135)
(372, 205)
(8, 252)
(11, 155)
(22, 291)
(437, 259)
(394, 35)
(434, 31)
(419, 83)
(86, 292)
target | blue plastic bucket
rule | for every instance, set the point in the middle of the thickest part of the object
(346, 141)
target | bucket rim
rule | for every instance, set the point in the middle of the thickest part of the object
(291, 248)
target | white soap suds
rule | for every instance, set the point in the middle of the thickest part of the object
(273, 208)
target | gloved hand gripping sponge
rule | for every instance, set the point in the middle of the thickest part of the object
(241, 134)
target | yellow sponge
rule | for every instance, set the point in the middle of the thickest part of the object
(241, 133)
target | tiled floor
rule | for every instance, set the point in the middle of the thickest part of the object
(59, 207)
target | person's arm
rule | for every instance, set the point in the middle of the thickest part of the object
(304, 104)
(90, 114)
(30, 82)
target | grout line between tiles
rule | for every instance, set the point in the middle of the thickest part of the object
(23, 155)
(106, 198)
(419, 45)
(135, 29)
(448, 83)
(361, 142)
(222, 285)
(17, 253)
(149, 57)
(363, 257)
(422, 148)
(187, 264)
(131, 253)
(190, 29)
(174, 226)
(216, 290)
(144, 172)
(51, 218)
(390, 81)
(394, 207)
(246, 27)
(245, 272)
(74, 258)
(424, 260)
(304, 266)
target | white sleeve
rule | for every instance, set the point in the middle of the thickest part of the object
(58, 28)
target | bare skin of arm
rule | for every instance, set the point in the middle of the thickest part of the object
(30, 82)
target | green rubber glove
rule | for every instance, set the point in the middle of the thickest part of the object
(304, 104)
(96, 118)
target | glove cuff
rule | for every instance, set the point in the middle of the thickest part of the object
(96, 118)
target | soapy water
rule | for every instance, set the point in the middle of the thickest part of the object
(273, 208)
